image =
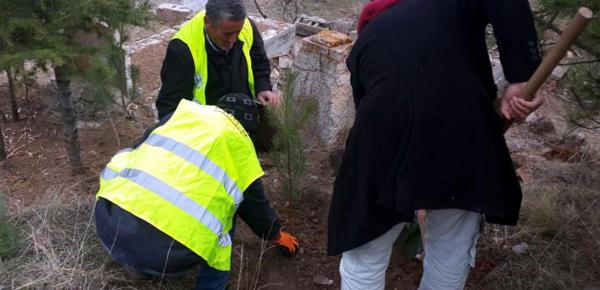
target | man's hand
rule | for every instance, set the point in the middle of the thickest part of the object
(269, 98)
(516, 109)
(286, 243)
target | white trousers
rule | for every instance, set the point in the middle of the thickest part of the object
(450, 241)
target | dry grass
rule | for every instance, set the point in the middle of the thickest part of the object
(8, 239)
(560, 222)
(60, 250)
(248, 269)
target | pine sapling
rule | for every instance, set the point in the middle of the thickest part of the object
(288, 154)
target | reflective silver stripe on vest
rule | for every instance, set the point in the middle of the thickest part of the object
(124, 150)
(201, 161)
(179, 200)
(108, 173)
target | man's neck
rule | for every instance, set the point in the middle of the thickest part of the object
(211, 43)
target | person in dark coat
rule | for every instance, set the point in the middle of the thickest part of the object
(427, 135)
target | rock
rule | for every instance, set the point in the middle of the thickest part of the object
(343, 25)
(94, 154)
(322, 280)
(560, 71)
(576, 140)
(520, 249)
(278, 37)
(275, 75)
(87, 125)
(312, 214)
(310, 25)
(172, 14)
(524, 174)
(539, 124)
(305, 30)
(285, 62)
(321, 70)
(313, 21)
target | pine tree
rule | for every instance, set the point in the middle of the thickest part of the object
(288, 152)
(583, 79)
(12, 94)
(44, 32)
(2, 146)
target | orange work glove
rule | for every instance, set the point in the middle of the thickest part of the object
(287, 244)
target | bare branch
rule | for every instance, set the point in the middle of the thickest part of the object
(259, 9)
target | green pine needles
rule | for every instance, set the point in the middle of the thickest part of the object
(289, 148)
(583, 78)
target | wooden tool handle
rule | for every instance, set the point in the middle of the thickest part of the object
(567, 38)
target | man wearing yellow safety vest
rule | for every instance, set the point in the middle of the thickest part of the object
(170, 203)
(219, 51)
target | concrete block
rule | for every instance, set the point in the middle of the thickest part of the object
(303, 29)
(279, 37)
(322, 75)
(345, 26)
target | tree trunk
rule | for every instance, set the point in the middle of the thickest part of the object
(12, 94)
(67, 112)
(2, 146)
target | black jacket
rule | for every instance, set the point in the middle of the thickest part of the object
(426, 135)
(228, 73)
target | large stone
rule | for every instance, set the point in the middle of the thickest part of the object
(279, 37)
(345, 26)
(172, 14)
(194, 5)
(322, 75)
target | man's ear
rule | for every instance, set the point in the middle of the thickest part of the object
(207, 22)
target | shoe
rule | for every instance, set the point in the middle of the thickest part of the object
(135, 274)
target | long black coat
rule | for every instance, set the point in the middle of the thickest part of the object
(426, 134)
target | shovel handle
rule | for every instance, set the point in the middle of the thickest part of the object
(567, 38)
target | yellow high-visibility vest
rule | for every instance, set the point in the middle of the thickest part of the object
(193, 35)
(187, 179)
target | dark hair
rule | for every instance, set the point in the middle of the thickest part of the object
(217, 10)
